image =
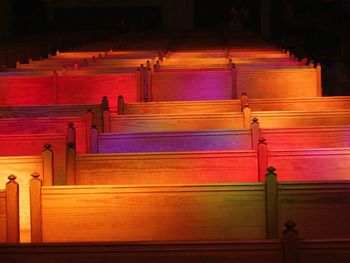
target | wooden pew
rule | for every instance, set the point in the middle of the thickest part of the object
(192, 85)
(294, 119)
(226, 120)
(76, 132)
(162, 168)
(167, 212)
(95, 86)
(289, 249)
(279, 104)
(281, 82)
(178, 122)
(55, 89)
(320, 208)
(240, 139)
(269, 251)
(27, 90)
(56, 111)
(306, 137)
(23, 167)
(34, 144)
(9, 212)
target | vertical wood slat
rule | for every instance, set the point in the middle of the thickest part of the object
(106, 115)
(247, 112)
(93, 139)
(35, 209)
(71, 136)
(142, 82)
(149, 84)
(262, 159)
(88, 123)
(121, 105)
(319, 80)
(244, 100)
(12, 210)
(47, 155)
(290, 242)
(255, 128)
(271, 204)
(70, 163)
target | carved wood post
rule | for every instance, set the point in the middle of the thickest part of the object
(70, 133)
(142, 82)
(319, 80)
(271, 204)
(70, 164)
(244, 100)
(290, 243)
(255, 127)
(88, 122)
(149, 85)
(247, 112)
(106, 114)
(121, 105)
(262, 159)
(47, 155)
(94, 139)
(12, 210)
(35, 208)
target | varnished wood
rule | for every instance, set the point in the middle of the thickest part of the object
(255, 251)
(176, 122)
(160, 168)
(247, 112)
(238, 139)
(216, 106)
(165, 213)
(263, 162)
(22, 167)
(271, 204)
(3, 216)
(70, 164)
(255, 128)
(94, 139)
(281, 82)
(36, 209)
(48, 164)
(320, 208)
(12, 210)
(319, 80)
(88, 123)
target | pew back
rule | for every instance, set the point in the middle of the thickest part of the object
(154, 213)
(165, 168)
(22, 167)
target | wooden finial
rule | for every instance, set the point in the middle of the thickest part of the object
(271, 170)
(255, 120)
(262, 140)
(70, 145)
(48, 146)
(290, 227)
(12, 177)
(121, 105)
(105, 103)
(35, 175)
